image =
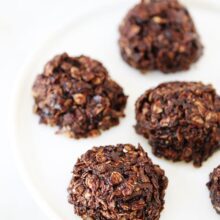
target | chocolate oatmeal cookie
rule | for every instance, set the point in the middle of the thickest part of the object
(117, 182)
(214, 187)
(77, 95)
(181, 120)
(159, 35)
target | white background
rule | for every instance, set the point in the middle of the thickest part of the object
(24, 24)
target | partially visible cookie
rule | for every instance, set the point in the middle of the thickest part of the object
(159, 35)
(214, 187)
(77, 95)
(117, 183)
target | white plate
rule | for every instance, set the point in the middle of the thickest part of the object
(46, 160)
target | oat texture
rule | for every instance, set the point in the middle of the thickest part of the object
(119, 183)
(77, 95)
(159, 35)
(181, 120)
(214, 187)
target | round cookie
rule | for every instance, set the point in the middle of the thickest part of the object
(159, 35)
(181, 120)
(117, 182)
(77, 95)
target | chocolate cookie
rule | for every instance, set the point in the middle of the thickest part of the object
(159, 35)
(117, 182)
(181, 120)
(214, 187)
(77, 95)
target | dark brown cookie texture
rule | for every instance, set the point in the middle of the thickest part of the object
(181, 120)
(214, 187)
(77, 95)
(159, 35)
(117, 182)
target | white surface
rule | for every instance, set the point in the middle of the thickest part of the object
(46, 160)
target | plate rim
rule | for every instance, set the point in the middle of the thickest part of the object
(14, 99)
